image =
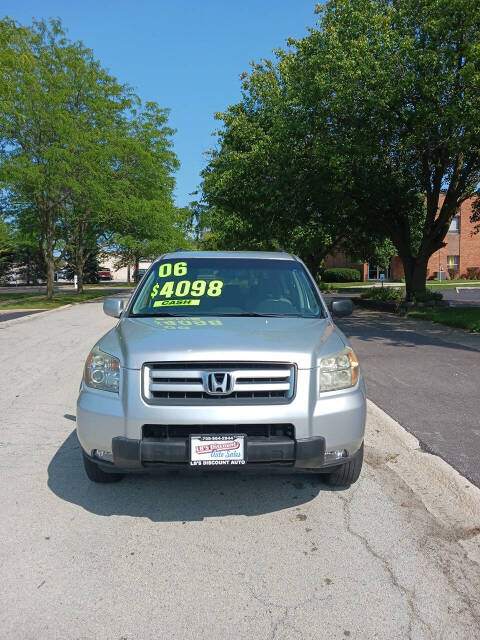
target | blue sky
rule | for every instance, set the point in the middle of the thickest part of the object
(185, 55)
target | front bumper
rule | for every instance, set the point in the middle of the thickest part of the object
(133, 456)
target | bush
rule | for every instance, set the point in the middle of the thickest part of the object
(385, 294)
(341, 275)
(429, 296)
(452, 274)
(473, 273)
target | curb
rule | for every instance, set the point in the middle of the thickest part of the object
(396, 431)
(447, 495)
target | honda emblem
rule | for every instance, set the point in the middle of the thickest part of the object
(219, 383)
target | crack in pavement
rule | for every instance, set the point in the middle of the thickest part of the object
(408, 594)
(285, 610)
(450, 561)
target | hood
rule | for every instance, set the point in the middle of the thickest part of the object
(299, 340)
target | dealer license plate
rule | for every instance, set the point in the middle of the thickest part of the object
(215, 450)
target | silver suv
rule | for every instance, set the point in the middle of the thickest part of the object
(223, 359)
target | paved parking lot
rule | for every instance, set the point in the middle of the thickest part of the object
(426, 376)
(464, 297)
(216, 555)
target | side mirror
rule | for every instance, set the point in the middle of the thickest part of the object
(341, 308)
(113, 307)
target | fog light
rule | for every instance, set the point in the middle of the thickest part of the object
(103, 455)
(336, 455)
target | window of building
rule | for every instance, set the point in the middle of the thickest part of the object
(453, 262)
(455, 225)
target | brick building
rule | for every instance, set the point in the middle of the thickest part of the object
(461, 253)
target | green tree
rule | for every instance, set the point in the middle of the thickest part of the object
(278, 178)
(34, 127)
(80, 155)
(125, 190)
(396, 85)
(7, 251)
(266, 185)
(20, 254)
(153, 238)
(28, 257)
(351, 136)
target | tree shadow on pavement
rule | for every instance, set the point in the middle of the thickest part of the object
(181, 495)
(391, 330)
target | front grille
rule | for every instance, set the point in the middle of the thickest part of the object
(187, 382)
(165, 431)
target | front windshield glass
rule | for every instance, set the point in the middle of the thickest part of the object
(227, 287)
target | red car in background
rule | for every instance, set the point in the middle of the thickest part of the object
(104, 274)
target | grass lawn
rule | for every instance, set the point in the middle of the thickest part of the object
(452, 284)
(16, 296)
(60, 299)
(465, 318)
(458, 280)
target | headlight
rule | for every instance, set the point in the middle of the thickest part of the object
(102, 371)
(339, 371)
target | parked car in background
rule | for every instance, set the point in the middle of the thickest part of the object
(62, 276)
(104, 273)
(138, 274)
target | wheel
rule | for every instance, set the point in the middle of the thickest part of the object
(347, 473)
(95, 474)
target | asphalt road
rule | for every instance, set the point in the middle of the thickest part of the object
(464, 298)
(215, 555)
(11, 315)
(427, 378)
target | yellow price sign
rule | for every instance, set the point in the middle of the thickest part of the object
(183, 288)
(176, 303)
(167, 268)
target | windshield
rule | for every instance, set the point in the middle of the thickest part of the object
(227, 287)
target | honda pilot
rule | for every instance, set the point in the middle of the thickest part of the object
(223, 360)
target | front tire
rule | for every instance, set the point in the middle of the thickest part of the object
(347, 473)
(95, 474)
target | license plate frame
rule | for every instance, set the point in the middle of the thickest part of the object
(217, 452)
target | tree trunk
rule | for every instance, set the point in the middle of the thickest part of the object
(415, 269)
(80, 280)
(128, 274)
(47, 242)
(50, 263)
(80, 260)
(50, 275)
(314, 261)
